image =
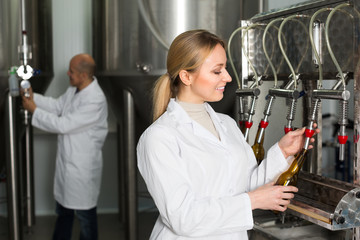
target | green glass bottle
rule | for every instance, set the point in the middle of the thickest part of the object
(258, 146)
(289, 177)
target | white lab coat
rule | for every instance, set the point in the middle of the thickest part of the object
(199, 183)
(80, 120)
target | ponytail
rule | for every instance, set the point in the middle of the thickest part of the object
(161, 95)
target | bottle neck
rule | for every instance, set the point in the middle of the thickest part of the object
(298, 161)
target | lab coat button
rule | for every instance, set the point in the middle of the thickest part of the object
(231, 190)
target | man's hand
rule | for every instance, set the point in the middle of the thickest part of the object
(28, 103)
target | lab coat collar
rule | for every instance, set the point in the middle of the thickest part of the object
(182, 118)
(177, 112)
(89, 87)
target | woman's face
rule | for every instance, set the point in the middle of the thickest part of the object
(208, 83)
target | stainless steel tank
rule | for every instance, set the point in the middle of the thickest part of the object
(36, 15)
(39, 31)
(127, 32)
(130, 41)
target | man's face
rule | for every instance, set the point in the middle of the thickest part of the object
(75, 77)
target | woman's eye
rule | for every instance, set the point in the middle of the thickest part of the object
(217, 72)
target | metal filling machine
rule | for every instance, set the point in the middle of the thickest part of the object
(296, 56)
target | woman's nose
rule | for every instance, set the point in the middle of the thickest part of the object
(227, 77)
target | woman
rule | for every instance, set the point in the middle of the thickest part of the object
(198, 168)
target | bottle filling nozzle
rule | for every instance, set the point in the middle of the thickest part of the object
(343, 96)
(242, 117)
(249, 122)
(309, 132)
(343, 121)
(254, 92)
(291, 94)
(254, 97)
(291, 116)
(265, 121)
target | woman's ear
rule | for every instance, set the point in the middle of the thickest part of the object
(185, 77)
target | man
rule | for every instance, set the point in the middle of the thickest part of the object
(79, 117)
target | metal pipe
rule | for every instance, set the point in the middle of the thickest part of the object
(248, 92)
(331, 94)
(317, 49)
(29, 171)
(261, 6)
(242, 117)
(121, 172)
(130, 163)
(312, 119)
(25, 71)
(23, 18)
(13, 185)
(249, 122)
(291, 116)
(25, 52)
(265, 120)
(342, 121)
(278, 92)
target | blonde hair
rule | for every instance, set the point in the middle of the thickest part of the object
(187, 52)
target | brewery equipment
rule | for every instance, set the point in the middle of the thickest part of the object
(326, 202)
(25, 42)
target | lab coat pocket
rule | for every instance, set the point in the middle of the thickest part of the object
(86, 168)
(86, 175)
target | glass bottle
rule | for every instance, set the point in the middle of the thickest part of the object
(258, 146)
(242, 126)
(289, 177)
(13, 83)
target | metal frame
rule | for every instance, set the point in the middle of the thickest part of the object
(312, 211)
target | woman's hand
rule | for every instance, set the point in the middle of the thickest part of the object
(292, 142)
(272, 197)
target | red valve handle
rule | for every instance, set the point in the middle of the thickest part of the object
(286, 129)
(248, 124)
(309, 133)
(342, 139)
(263, 124)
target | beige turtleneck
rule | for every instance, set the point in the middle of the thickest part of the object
(199, 114)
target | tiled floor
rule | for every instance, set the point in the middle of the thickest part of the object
(110, 227)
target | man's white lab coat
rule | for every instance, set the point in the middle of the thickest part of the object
(198, 182)
(80, 120)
